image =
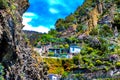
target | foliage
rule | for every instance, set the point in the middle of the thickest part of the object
(53, 32)
(3, 4)
(13, 7)
(117, 20)
(83, 9)
(61, 46)
(94, 31)
(66, 46)
(105, 31)
(55, 65)
(59, 24)
(84, 28)
(65, 74)
(118, 64)
(76, 60)
(67, 64)
(107, 63)
(1, 72)
(51, 54)
(46, 38)
(69, 18)
(79, 28)
(98, 62)
(117, 2)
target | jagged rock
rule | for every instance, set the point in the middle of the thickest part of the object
(15, 53)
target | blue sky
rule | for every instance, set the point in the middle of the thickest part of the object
(42, 14)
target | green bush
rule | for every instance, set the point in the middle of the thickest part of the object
(51, 54)
(77, 59)
(105, 31)
(117, 20)
(13, 7)
(65, 74)
(94, 31)
(3, 4)
(79, 28)
(99, 62)
(106, 68)
(117, 64)
(91, 65)
(61, 46)
(66, 46)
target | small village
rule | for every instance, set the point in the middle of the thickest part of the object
(57, 51)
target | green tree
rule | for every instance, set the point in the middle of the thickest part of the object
(59, 25)
(53, 32)
(61, 46)
(66, 46)
(70, 18)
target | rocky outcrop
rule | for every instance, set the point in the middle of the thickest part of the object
(19, 60)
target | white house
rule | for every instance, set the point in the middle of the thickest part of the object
(74, 49)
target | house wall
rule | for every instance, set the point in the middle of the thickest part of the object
(74, 50)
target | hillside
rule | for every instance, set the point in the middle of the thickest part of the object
(32, 36)
(17, 59)
(94, 26)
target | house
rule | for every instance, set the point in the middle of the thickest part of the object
(74, 49)
(53, 77)
(58, 50)
(42, 49)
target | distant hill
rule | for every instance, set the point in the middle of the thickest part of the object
(33, 36)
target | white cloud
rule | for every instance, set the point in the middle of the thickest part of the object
(30, 15)
(26, 20)
(54, 11)
(41, 29)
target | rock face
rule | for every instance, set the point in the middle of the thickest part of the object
(19, 60)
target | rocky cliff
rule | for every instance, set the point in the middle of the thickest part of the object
(88, 16)
(18, 59)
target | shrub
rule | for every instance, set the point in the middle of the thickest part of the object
(98, 62)
(66, 46)
(13, 7)
(105, 31)
(70, 18)
(91, 65)
(117, 64)
(51, 54)
(94, 31)
(89, 49)
(79, 28)
(61, 46)
(107, 63)
(65, 74)
(77, 59)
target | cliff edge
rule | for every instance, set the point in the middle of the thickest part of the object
(16, 56)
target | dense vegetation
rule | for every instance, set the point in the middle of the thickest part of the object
(100, 46)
